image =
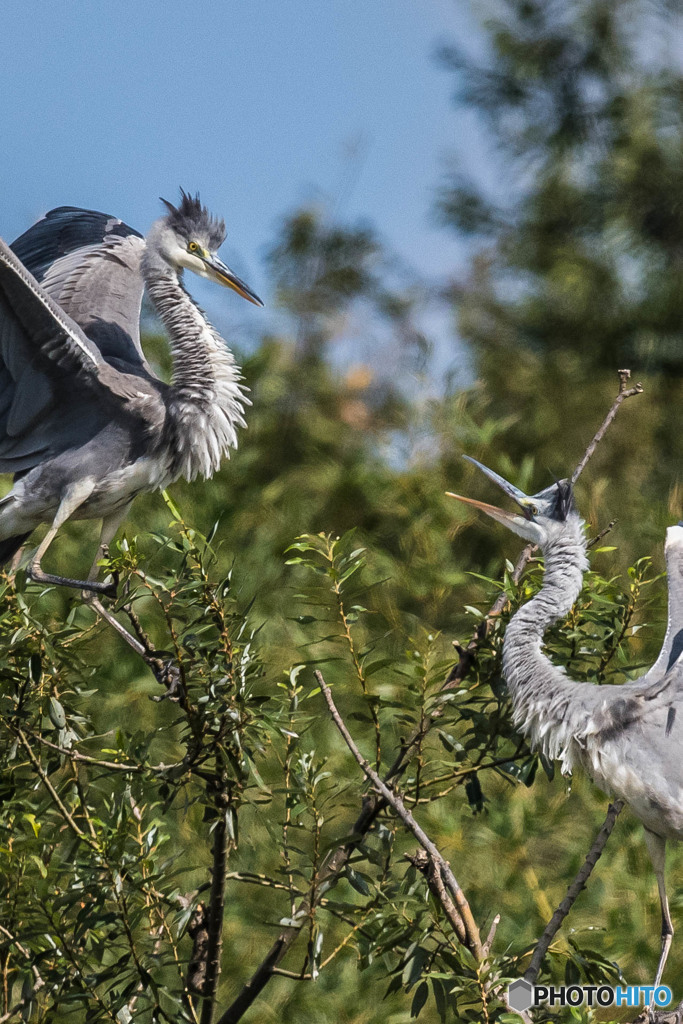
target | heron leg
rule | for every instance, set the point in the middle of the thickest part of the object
(72, 499)
(656, 846)
(165, 670)
(16, 558)
(110, 525)
(94, 602)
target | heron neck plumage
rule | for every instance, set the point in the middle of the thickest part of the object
(207, 399)
(541, 692)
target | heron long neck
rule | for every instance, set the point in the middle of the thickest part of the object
(542, 694)
(207, 402)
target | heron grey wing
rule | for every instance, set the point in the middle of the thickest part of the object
(673, 641)
(671, 654)
(89, 263)
(45, 361)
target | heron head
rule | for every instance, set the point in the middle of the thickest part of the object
(188, 237)
(540, 513)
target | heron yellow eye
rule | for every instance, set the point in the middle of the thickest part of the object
(192, 247)
(533, 509)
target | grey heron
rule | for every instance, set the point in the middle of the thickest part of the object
(85, 424)
(628, 738)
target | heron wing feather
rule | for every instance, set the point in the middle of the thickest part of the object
(32, 398)
(672, 647)
(89, 263)
(48, 357)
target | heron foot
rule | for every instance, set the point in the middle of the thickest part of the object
(672, 1015)
(35, 573)
(167, 674)
(660, 1017)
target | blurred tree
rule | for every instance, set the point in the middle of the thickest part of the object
(577, 258)
(585, 248)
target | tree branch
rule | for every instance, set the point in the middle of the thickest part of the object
(214, 943)
(56, 799)
(443, 875)
(426, 866)
(624, 392)
(573, 891)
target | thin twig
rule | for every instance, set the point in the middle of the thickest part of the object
(426, 866)
(15, 942)
(491, 935)
(603, 533)
(573, 891)
(57, 800)
(75, 755)
(166, 673)
(624, 392)
(441, 866)
(255, 878)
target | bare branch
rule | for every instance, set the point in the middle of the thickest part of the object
(75, 755)
(442, 868)
(426, 866)
(166, 673)
(491, 935)
(221, 843)
(573, 891)
(603, 533)
(197, 929)
(624, 392)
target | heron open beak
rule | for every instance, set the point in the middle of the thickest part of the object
(501, 515)
(221, 273)
(510, 519)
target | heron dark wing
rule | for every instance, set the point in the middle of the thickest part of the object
(49, 368)
(89, 263)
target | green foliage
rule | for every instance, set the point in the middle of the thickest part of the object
(108, 838)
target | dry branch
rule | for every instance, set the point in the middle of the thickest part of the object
(441, 869)
(624, 393)
(553, 925)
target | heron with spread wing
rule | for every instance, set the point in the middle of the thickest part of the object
(628, 738)
(85, 424)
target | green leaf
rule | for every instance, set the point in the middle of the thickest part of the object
(35, 825)
(171, 506)
(419, 999)
(57, 714)
(39, 864)
(412, 970)
(357, 881)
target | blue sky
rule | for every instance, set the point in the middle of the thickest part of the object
(257, 105)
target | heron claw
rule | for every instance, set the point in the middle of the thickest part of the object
(672, 1015)
(167, 674)
(111, 589)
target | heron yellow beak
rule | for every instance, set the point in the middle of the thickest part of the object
(224, 275)
(513, 520)
(501, 515)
